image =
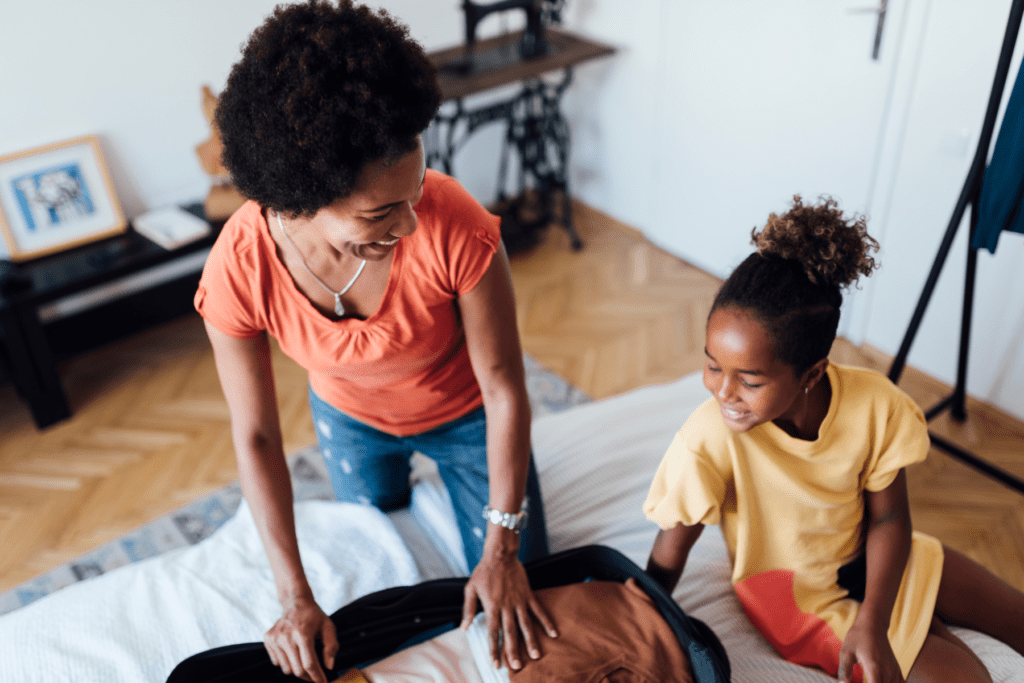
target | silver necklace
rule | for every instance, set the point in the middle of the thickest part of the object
(338, 307)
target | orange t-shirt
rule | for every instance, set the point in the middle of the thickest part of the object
(405, 369)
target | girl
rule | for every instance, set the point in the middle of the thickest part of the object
(802, 462)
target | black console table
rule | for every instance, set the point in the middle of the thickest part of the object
(30, 359)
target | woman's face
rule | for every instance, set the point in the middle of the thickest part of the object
(369, 222)
(751, 386)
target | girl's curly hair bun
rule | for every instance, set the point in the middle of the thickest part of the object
(833, 250)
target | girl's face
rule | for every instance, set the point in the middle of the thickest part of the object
(752, 386)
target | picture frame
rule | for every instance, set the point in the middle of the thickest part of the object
(56, 197)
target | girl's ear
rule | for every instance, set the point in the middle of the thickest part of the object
(814, 374)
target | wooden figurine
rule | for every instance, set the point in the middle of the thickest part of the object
(223, 199)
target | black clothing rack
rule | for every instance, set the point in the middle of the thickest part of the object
(970, 194)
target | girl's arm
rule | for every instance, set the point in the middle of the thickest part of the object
(887, 547)
(244, 368)
(499, 582)
(668, 556)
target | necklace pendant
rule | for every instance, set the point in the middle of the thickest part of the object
(338, 308)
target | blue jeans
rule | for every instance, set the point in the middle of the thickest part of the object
(371, 467)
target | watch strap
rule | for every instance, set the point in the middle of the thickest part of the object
(515, 521)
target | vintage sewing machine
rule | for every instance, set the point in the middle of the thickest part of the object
(532, 44)
(536, 139)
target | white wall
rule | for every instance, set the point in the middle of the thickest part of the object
(687, 133)
(127, 71)
(613, 108)
(715, 114)
(131, 71)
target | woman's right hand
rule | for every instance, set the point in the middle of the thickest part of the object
(246, 374)
(291, 642)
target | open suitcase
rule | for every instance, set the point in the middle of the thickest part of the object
(387, 621)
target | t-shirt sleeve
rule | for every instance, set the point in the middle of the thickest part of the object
(473, 236)
(905, 442)
(225, 294)
(689, 486)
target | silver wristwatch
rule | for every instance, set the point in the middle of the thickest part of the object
(515, 521)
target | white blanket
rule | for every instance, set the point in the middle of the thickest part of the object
(136, 623)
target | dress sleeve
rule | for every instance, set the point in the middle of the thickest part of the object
(905, 442)
(225, 295)
(472, 235)
(690, 484)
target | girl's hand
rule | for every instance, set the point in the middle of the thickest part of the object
(668, 556)
(869, 647)
(500, 585)
(887, 547)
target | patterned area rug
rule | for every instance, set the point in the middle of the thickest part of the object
(198, 520)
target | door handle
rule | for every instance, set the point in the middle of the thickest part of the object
(880, 10)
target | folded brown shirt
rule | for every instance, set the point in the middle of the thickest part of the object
(607, 632)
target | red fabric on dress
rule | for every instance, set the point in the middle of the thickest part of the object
(799, 637)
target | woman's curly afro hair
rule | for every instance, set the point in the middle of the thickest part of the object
(792, 284)
(322, 90)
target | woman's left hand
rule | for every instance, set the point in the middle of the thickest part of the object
(870, 648)
(500, 585)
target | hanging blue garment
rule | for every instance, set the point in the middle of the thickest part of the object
(1001, 206)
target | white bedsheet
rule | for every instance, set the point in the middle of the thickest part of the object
(136, 623)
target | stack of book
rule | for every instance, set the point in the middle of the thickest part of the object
(171, 227)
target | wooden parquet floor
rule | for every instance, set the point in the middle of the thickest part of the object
(150, 428)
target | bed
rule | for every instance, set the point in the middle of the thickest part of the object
(595, 462)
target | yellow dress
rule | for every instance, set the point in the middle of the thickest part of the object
(791, 513)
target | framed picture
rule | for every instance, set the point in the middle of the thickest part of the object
(57, 197)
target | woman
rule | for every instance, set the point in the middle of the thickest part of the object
(389, 284)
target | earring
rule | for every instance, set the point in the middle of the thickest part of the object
(806, 390)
